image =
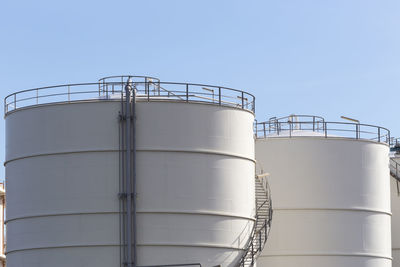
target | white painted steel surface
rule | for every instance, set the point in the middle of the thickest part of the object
(195, 183)
(331, 202)
(395, 201)
(2, 239)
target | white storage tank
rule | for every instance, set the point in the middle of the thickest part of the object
(395, 201)
(331, 193)
(195, 168)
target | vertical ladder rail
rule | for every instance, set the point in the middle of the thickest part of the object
(127, 195)
(128, 175)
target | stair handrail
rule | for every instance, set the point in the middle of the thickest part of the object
(394, 167)
(256, 233)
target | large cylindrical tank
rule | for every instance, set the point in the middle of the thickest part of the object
(331, 194)
(195, 179)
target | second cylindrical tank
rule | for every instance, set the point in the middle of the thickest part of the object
(395, 203)
(331, 196)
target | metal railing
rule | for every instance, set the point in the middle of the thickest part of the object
(394, 169)
(174, 265)
(148, 89)
(262, 225)
(395, 141)
(395, 173)
(395, 145)
(314, 125)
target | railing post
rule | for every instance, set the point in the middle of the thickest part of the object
(313, 123)
(277, 128)
(326, 129)
(15, 101)
(242, 100)
(379, 134)
(265, 229)
(37, 96)
(264, 129)
(219, 96)
(252, 254)
(69, 95)
(187, 92)
(148, 97)
(357, 130)
(290, 128)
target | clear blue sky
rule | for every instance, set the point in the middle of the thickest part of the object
(330, 58)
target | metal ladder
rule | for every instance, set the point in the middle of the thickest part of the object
(262, 224)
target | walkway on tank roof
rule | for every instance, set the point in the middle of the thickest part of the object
(147, 89)
(313, 126)
(112, 88)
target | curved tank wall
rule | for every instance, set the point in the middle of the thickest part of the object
(2, 237)
(331, 202)
(195, 184)
(395, 202)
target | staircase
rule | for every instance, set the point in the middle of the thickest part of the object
(262, 224)
(394, 169)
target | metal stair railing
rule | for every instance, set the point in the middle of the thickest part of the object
(262, 223)
(395, 172)
(394, 169)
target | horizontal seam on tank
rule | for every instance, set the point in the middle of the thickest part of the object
(119, 100)
(323, 137)
(219, 214)
(61, 247)
(327, 255)
(138, 150)
(201, 245)
(205, 245)
(335, 209)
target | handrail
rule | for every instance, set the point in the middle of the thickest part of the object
(394, 167)
(298, 117)
(174, 265)
(276, 128)
(123, 78)
(395, 142)
(259, 233)
(150, 89)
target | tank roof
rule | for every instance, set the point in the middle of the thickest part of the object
(316, 126)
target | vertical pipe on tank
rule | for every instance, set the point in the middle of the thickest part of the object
(128, 172)
(134, 226)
